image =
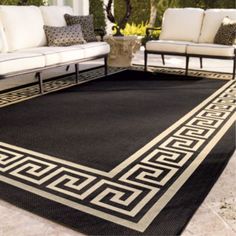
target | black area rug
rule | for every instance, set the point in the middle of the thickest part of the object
(134, 153)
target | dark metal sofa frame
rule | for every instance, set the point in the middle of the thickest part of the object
(188, 56)
(38, 71)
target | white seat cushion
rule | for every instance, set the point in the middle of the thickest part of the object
(211, 49)
(167, 46)
(54, 15)
(58, 55)
(23, 26)
(17, 62)
(94, 49)
(182, 24)
(212, 21)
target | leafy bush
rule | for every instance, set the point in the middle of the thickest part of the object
(140, 30)
(9, 2)
(96, 8)
(140, 10)
(208, 3)
(22, 2)
(32, 2)
(135, 29)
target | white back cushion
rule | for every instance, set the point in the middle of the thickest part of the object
(3, 40)
(23, 26)
(54, 15)
(1, 44)
(182, 24)
(212, 21)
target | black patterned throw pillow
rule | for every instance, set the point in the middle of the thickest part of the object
(226, 34)
(64, 36)
(86, 23)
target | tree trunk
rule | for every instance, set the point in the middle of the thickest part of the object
(153, 13)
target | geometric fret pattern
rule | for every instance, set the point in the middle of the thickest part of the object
(194, 73)
(29, 92)
(19, 95)
(134, 192)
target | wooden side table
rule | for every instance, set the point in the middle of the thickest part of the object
(122, 50)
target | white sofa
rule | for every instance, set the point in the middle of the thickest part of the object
(23, 44)
(190, 32)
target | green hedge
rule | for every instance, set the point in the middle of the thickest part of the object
(140, 10)
(96, 8)
(208, 3)
(22, 2)
(9, 2)
(32, 2)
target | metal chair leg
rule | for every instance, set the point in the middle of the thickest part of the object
(145, 60)
(40, 81)
(163, 59)
(234, 67)
(187, 65)
(105, 65)
(76, 73)
(201, 63)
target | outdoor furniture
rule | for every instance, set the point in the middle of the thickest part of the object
(190, 32)
(122, 50)
(23, 43)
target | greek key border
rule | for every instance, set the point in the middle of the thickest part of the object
(29, 92)
(32, 91)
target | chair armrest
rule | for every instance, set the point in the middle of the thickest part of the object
(101, 32)
(149, 36)
(149, 29)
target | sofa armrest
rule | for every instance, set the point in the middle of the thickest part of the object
(101, 32)
(149, 29)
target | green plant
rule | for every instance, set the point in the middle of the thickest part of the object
(96, 8)
(208, 3)
(140, 30)
(140, 10)
(22, 2)
(32, 2)
(9, 2)
(135, 29)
